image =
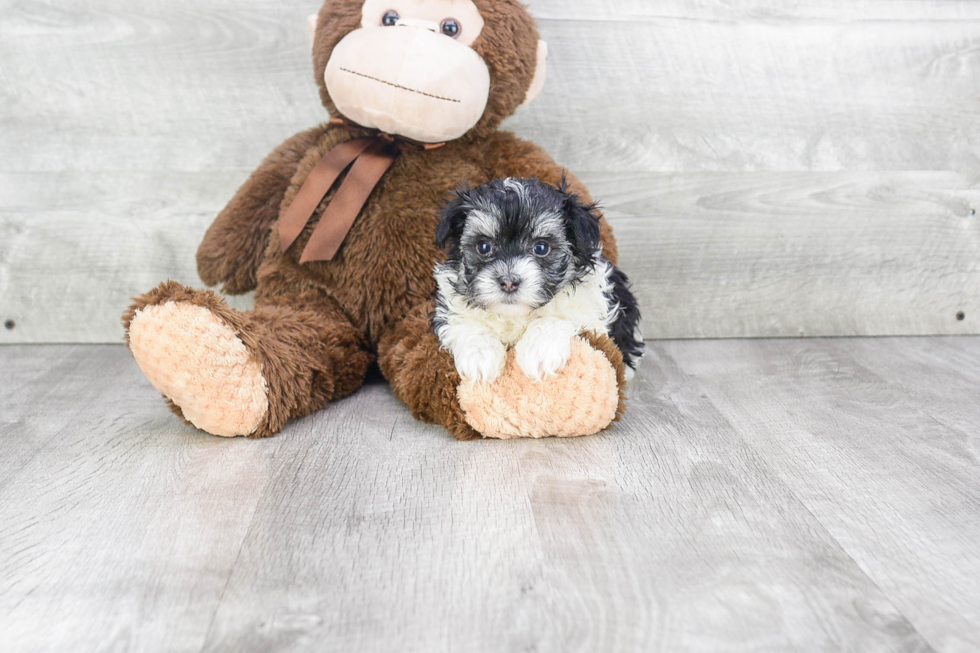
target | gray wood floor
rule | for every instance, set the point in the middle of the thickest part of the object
(762, 495)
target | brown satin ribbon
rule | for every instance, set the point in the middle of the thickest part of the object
(371, 157)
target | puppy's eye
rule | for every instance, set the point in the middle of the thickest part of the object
(541, 248)
(484, 248)
(451, 27)
(390, 18)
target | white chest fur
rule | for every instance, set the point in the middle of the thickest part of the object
(585, 305)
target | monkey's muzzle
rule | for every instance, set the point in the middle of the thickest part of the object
(408, 81)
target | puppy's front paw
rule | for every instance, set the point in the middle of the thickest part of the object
(479, 358)
(545, 348)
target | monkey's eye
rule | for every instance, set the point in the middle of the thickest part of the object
(390, 18)
(450, 27)
(541, 248)
(484, 248)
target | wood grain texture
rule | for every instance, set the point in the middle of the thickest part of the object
(710, 254)
(743, 86)
(754, 499)
(799, 254)
(876, 450)
(844, 134)
(628, 10)
(126, 546)
(747, 93)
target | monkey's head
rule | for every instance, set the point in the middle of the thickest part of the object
(429, 70)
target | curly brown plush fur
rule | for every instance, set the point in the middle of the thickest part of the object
(316, 327)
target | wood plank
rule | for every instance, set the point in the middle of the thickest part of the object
(159, 85)
(799, 254)
(762, 10)
(43, 392)
(75, 249)
(119, 524)
(149, 117)
(710, 254)
(749, 94)
(361, 529)
(193, 86)
(940, 375)
(897, 488)
(665, 535)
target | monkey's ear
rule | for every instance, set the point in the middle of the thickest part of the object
(311, 22)
(540, 72)
(583, 228)
(450, 228)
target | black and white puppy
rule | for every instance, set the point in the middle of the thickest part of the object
(525, 269)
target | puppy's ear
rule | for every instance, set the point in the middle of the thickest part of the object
(582, 224)
(450, 228)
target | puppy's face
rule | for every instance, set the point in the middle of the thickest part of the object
(517, 242)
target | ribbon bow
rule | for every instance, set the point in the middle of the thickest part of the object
(371, 157)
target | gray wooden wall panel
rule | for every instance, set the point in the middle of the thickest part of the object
(799, 254)
(774, 167)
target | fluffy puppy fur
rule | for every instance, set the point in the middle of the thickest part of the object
(525, 269)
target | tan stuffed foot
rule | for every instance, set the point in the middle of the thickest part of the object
(583, 399)
(199, 363)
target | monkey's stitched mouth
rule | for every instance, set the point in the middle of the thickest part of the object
(404, 88)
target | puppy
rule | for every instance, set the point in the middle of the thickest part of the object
(525, 269)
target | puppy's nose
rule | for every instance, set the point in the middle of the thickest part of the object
(509, 283)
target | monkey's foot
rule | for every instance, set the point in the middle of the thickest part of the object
(582, 399)
(200, 364)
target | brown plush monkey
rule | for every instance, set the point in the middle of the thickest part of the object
(339, 285)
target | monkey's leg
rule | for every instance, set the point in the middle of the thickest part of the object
(234, 373)
(584, 398)
(422, 374)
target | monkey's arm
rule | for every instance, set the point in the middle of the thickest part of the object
(509, 156)
(235, 244)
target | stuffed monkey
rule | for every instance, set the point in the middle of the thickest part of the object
(335, 233)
